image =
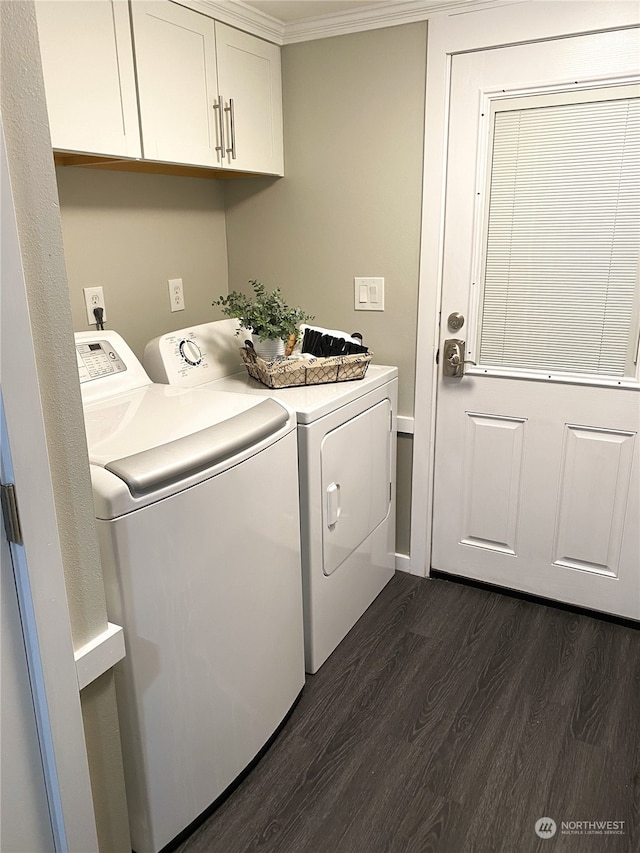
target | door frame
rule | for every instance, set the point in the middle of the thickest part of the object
(37, 561)
(478, 29)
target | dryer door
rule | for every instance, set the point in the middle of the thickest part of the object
(356, 482)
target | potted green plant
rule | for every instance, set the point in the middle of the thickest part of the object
(266, 315)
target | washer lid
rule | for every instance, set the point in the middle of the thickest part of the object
(157, 435)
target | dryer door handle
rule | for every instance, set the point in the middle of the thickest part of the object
(333, 504)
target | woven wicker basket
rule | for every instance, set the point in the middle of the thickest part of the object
(285, 374)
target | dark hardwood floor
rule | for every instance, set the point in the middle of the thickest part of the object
(451, 719)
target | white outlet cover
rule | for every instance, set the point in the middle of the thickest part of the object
(176, 294)
(94, 298)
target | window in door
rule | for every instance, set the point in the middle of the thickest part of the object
(562, 234)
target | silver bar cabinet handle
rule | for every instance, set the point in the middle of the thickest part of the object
(232, 116)
(220, 106)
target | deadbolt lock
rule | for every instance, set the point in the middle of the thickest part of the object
(455, 321)
(453, 358)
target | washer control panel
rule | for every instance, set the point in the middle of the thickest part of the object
(97, 359)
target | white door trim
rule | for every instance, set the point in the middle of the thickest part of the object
(450, 34)
(38, 562)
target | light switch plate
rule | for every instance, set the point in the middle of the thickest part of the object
(368, 294)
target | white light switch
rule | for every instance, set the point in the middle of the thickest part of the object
(369, 294)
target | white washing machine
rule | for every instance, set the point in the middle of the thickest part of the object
(202, 572)
(347, 463)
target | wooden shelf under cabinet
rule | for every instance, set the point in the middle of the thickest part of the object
(151, 167)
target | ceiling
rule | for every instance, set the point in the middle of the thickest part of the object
(288, 21)
(296, 10)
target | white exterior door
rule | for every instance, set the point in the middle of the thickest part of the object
(536, 476)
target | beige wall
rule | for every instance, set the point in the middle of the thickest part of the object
(350, 202)
(130, 233)
(349, 205)
(404, 458)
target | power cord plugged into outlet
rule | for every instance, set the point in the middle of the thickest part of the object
(98, 314)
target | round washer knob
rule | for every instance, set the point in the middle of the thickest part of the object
(190, 351)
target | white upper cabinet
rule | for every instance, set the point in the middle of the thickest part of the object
(250, 85)
(177, 83)
(206, 95)
(209, 95)
(87, 61)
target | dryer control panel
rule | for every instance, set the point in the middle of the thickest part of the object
(193, 356)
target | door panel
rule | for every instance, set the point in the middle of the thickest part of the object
(536, 474)
(493, 452)
(594, 493)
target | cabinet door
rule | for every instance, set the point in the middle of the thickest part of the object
(177, 86)
(250, 82)
(87, 62)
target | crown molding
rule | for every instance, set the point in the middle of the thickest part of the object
(238, 14)
(235, 13)
(390, 14)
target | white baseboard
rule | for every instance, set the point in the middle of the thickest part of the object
(403, 563)
(405, 425)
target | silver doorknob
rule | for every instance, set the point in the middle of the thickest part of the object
(453, 358)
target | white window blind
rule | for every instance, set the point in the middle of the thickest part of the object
(563, 237)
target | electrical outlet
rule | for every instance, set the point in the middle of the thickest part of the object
(94, 298)
(368, 294)
(176, 294)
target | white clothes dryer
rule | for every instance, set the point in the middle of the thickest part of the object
(201, 572)
(347, 464)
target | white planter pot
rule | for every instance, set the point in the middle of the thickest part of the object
(269, 347)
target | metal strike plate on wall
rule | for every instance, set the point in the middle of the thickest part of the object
(453, 358)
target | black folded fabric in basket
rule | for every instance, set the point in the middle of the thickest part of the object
(322, 345)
